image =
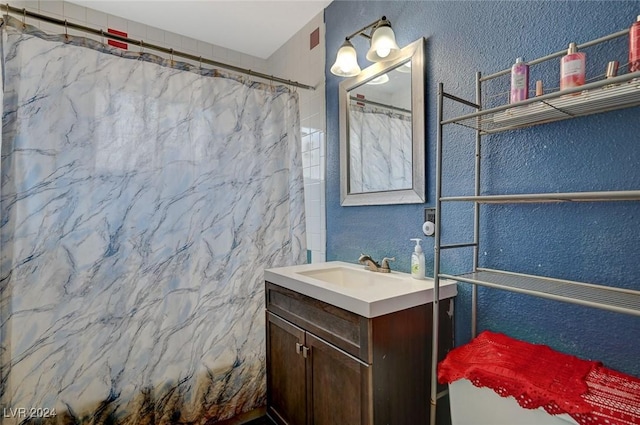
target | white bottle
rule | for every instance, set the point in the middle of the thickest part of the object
(417, 261)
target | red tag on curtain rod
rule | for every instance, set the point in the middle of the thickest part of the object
(115, 43)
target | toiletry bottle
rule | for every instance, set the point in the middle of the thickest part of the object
(612, 71)
(572, 68)
(519, 81)
(417, 261)
(634, 46)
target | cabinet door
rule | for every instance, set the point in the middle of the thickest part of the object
(338, 386)
(286, 395)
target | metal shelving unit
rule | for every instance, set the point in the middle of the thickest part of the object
(622, 195)
(607, 298)
(601, 96)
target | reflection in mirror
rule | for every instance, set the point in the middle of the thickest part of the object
(382, 132)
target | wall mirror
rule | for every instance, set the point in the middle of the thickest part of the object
(382, 132)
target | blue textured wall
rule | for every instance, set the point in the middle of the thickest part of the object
(591, 242)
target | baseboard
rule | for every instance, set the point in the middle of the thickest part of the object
(245, 418)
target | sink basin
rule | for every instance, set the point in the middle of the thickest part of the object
(351, 287)
(349, 277)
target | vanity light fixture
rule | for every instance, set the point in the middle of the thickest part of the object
(383, 48)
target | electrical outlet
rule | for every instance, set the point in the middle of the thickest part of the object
(429, 228)
(430, 214)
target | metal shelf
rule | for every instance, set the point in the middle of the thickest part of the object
(605, 95)
(601, 96)
(607, 298)
(622, 195)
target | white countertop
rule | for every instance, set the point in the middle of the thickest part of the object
(375, 294)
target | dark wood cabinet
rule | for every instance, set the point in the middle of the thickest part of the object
(329, 366)
(286, 371)
(337, 386)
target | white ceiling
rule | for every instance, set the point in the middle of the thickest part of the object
(254, 27)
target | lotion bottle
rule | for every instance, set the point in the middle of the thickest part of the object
(519, 81)
(572, 68)
(417, 261)
(634, 46)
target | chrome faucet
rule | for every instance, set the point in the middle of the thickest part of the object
(373, 266)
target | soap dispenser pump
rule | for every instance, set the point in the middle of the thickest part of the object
(417, 261)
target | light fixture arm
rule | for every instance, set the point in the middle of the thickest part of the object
(372, 26)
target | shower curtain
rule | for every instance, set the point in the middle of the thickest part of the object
(380, 149)
(141, 200)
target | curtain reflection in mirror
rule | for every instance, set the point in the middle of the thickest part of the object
(379, 149)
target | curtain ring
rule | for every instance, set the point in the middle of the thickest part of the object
(141, 47)
(24, 18)
(66, 30)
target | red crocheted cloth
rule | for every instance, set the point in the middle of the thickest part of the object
(614, 397)
(537, 376)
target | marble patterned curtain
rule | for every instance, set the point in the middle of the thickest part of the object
(380, 149)
(141, 201)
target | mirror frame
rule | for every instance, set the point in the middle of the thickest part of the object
(416, 194)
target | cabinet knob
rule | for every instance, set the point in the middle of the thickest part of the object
(298, 348)
(305, 352)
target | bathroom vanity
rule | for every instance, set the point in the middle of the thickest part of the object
(351, 347)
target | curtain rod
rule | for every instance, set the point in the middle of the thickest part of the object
(63, 22)
(382, 105)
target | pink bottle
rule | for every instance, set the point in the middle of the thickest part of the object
(519, 81)
(572, 68)
(634, 46)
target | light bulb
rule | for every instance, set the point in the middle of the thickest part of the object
(346, 64)
(384, 52)
(383, 45)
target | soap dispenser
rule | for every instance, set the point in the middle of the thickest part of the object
(417, 261)
(519, 81)
(634, 46)
(572, 68)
